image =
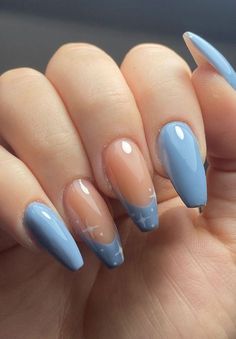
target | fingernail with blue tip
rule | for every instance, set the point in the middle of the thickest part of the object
(92, 221)
(180, 156)
(49, 231)
(131, 181)
(198, 45)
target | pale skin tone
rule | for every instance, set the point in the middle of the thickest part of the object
(176, 282)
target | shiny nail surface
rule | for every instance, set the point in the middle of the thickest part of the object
(198, 45)
(179, 153)
(128, 174)
(92, 221)
(49, 230)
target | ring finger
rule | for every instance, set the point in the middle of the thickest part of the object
(161, 83)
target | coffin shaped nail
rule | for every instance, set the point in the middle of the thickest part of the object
(128, 174)
(179, 153)
(201, 49)
(92, 221)
(48, 229)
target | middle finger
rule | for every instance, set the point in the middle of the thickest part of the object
(105, 113)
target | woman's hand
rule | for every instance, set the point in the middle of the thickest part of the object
(94, 143)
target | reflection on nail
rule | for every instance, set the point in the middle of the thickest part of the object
(179, 152)
(131, 181)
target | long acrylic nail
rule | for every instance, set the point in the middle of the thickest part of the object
(48, 229)
(179, 153)
(131, 181)
(200, 47)
(91, 219)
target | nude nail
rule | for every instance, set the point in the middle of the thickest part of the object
(128, 174)
(92, 221)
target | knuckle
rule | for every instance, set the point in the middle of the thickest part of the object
(163, 56)
(16, 87)
(49, 146)
(72, 51)
(150, 48)
(19, 75)
(77, 46)
(109, 98)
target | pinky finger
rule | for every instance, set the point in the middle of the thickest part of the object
(27, 214)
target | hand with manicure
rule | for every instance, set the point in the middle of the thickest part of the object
(110, 227)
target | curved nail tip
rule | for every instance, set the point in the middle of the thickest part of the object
(146, 230)
(196, 204)
(213, 56)
(75, 264)
(194, 200)
(110, 254)
(188, 34)
(145, 217)
(115, 263)
(113, 266)
(49, 230)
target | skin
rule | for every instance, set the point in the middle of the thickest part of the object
(177, 282)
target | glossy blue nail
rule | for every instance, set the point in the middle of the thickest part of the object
(179, 153)
(213, 56)
(48, 229)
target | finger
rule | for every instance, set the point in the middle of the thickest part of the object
(218, 101)
(215, 84)
(104, 111)
(35, 123)
(27, 214)
(161, 83)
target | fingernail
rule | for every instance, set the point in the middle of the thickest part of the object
(212, 55)
(131, 181)
(91, 219)
(48, 229)
(179, 153)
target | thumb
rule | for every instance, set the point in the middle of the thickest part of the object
(214, 84)
(204, 53)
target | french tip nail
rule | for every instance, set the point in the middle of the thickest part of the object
(49, 230)
(111, 254)
(212, 55)
(179, 153)
(145, 217)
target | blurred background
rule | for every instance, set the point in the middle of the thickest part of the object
(31, 30)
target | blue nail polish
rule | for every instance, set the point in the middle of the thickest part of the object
(145, 217)
(50, 232)
(179, 153)
(111, 254)
(214, 57)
